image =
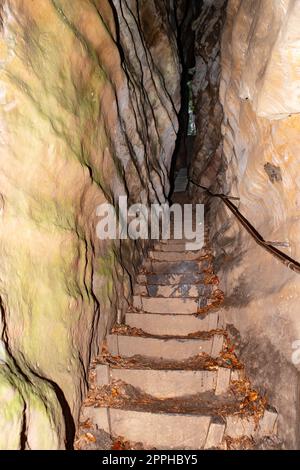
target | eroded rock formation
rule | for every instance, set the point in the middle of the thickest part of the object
(258, 162)
(89, 92)
(89, 96)
(207, 149)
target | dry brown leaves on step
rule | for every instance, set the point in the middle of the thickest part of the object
(211, 279)
(216, 299)
(124, 396)
(85, 435)
(241, 443)
(208, 257)
(120, 443)
(207, 334)
(93, 439)
(228, 355)
(126, 330)
(114, 395)
(199, 362)
(253, 403)
(143, 270)
(84, 440)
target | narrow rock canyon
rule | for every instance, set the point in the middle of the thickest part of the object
(156, 101)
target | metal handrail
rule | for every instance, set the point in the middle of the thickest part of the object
(284, 258)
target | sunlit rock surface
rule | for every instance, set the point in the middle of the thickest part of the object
(261, 148)
(88, 100)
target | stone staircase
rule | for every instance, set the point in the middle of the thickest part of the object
(169, 377)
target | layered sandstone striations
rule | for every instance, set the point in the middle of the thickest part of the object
(207, 148)
(89, 92)
(261, 147)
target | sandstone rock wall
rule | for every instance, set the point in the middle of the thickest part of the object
(261, 148)
(89, 92)
(206, 155)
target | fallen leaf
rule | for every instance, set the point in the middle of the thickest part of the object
(253, 395)
(90, 437)
(117, 445)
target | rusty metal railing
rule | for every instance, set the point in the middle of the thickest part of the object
(284, 258)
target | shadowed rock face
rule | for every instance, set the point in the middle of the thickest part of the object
(207, 149)
(89, 92)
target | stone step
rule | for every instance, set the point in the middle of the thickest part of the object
(175, 241)
(172, 246)
(180, 184)
(173, 291)
(215, 433)
(172, 267)
(165, 348)
(167, 383)
(171, 279)
(176, 255)
(166, 305)
(183, 246)
(158, 430)
(177, 430)
(237, 426)
(174, 325)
